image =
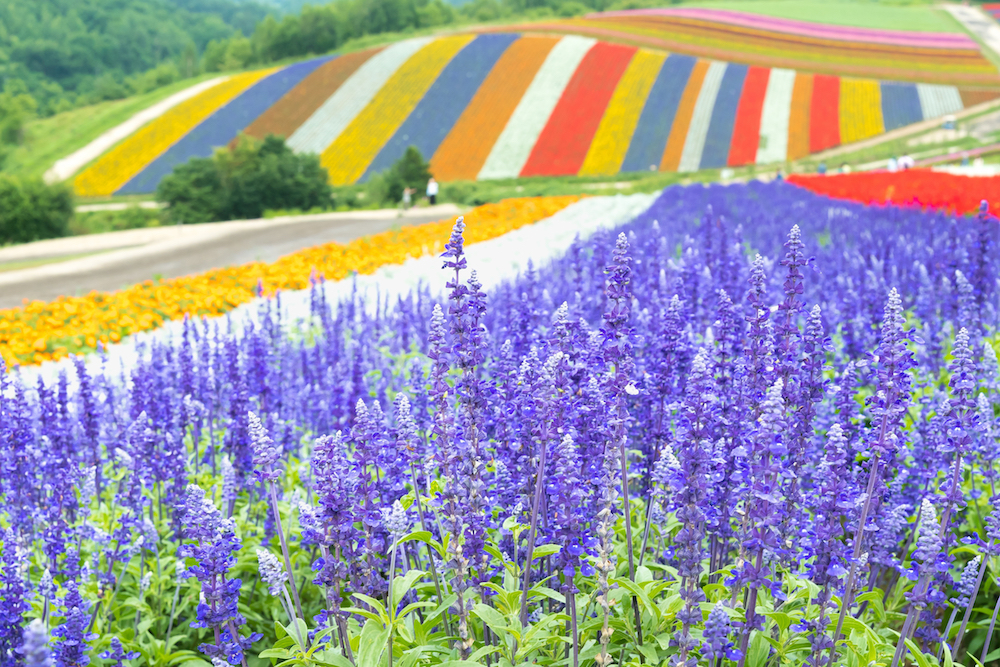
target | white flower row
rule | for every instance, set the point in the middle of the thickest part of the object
(513, 147)
(495, 261)
(73, 162)
(336, 113)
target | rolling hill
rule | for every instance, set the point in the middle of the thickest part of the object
(501, 104)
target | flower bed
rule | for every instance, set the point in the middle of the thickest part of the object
(288, 114)
(119, 165)
(464, 151)
(618, 124)
(608, 456)
(915, 187)
(354, 149)
(42, 331)
(562, 146)
(223, 126)
(444, 102)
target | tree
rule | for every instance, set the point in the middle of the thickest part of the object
(409, 171)
(31, 210)
(245, 181)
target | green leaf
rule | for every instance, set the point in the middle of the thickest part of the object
(544, 550)
(643, 574)
(874, 598)
(371, 645)
(781, 618)
(333, 659)
(402, 585)
(418, 535)
(649, 651)
(494, 619)
(947, 656)
(639, 592)
(758, 650)
(917, 654)
(538, 590)
(376, 605)
(483, 652)
(279, 653)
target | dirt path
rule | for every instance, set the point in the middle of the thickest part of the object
(121, 259)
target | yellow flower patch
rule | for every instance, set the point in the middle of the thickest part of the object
(41, 331)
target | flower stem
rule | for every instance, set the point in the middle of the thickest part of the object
(989, 633)
(284, 550)
(531, 534)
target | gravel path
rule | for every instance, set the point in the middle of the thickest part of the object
(125, 258)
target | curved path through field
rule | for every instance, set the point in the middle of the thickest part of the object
(108, 262)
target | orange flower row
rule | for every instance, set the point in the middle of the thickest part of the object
(41, 331)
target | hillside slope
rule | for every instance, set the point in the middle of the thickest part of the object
(501, 105)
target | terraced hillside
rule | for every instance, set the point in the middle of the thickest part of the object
(500, 104)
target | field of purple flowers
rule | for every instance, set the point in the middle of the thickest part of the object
(803, 396)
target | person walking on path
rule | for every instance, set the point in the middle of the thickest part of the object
(432, 191)
(407, 193)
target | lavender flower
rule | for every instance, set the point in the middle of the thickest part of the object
(715, 644)
(35, 647)
(117, 654)
(265, 453)
(271, 571)
(72, 637)
(395, 521)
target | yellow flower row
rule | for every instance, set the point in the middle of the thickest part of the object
(611, 142)
(350, 154)
(860, 110)
(41, 331)
(119, 165)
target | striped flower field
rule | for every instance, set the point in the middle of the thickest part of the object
(773, 42)
(503, 105)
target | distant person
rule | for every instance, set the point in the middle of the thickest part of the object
(845, 168)
(821, 169)
(906, 162)
(407, 197)
(893, 164)
(432, 191)
(778, 176)
(965, 160)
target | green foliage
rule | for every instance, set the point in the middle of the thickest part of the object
(72, 52)
(16, 108)
(98, 222)
(243, 182)
(409, 171)
(31, 210)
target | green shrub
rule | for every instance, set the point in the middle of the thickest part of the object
(243, 182)
(31, 210)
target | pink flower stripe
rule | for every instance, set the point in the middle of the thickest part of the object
(939, 40)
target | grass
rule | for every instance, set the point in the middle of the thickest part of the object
(916, 16)
(49, 139)
(31, 263)
(98, 222)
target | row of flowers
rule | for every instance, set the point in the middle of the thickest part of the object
(860, 110)
(916, 187)
(764, 47)
(41, 331)
(350, 154)
(464, 150)
(119, 165)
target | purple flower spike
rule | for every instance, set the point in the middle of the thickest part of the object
(117, 654)
(715, 644)
(265, 452)
(35, 648)
(271, 571)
